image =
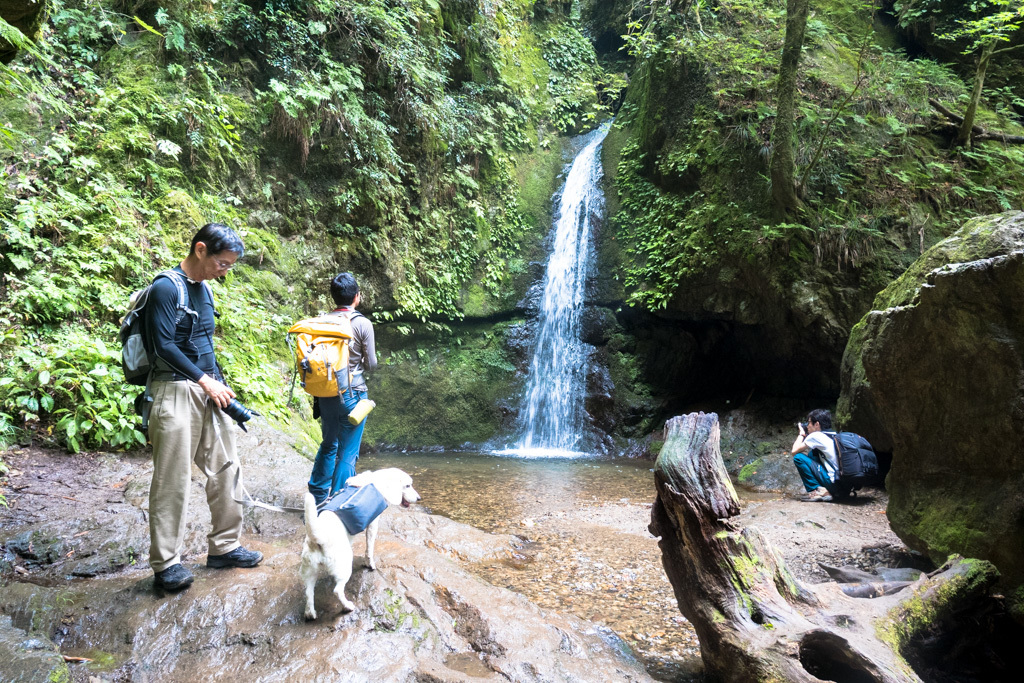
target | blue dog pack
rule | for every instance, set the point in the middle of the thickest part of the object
(356, 506)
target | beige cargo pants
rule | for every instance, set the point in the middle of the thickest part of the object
(185, 426)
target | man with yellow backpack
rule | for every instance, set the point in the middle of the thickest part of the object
(333, 353)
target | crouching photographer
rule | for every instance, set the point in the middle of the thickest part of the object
(814, 455)
(193, 412)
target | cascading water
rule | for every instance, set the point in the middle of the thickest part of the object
(552, 412)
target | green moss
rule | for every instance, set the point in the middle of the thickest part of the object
(427, 397)
(749, 470)
(537, 180)
(180, 216)
(1015, 604)
(945, 524)
(60, 674)
(101, 660)
(913, 615)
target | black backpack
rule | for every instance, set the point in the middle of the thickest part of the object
(858, 464)
(135, 358)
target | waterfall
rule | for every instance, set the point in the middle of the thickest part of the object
(552, 413)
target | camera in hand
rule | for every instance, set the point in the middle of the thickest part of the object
(239, 413)
(804, 426)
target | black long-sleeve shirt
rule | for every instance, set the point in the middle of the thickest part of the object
(185, 349)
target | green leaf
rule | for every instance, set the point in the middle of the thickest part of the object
(44, 377)
(146, 26)
(47, 403)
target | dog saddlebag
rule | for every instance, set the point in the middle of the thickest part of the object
(356, 506)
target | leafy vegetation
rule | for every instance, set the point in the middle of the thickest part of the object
(410, 141)
(985, 27)
(379, 136)
(877, 185)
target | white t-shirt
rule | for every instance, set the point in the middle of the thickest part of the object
(824, 443)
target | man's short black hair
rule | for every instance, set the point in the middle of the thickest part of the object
(822, 417)
(344, 289)
(218, 237)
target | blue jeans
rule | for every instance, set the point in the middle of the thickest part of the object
(812, 472)
(336, 460)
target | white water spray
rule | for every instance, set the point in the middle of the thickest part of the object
(552, 412)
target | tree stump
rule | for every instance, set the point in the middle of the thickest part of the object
(755, 621)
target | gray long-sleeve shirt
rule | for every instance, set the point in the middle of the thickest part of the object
(362, 350)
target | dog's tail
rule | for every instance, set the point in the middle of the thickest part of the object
(311, 525)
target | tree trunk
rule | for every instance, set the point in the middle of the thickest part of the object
(755, 621)
(963, 136)
(783, 163)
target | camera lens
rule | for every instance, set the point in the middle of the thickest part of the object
(238, 412)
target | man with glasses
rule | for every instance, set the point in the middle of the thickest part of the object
(186, 421)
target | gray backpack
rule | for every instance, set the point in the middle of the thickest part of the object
(136, 361)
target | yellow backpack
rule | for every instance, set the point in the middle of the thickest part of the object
(321, 354)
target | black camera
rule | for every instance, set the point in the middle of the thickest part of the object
(239, 413)
(804, 426)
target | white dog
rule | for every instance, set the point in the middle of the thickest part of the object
(328, 543)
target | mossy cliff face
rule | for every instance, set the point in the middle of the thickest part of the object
(461, 396)
(758, 301)
(935, 374)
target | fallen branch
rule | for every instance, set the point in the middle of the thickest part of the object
(978, 133)
(52, 495)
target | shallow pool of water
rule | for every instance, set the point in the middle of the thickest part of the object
(587, 550)
(493, 492)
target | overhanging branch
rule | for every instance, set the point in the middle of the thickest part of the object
(977, 132)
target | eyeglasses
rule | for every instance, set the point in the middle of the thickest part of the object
(225, 265)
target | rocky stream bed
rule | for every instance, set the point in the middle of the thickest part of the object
(541, 573)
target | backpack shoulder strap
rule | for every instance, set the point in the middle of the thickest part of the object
(835, 441)
(176, 277)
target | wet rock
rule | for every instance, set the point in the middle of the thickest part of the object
(451, 539)
(899, 573)
(37, 545)
(418, 617)
(599, 401)
(597, 325)
(935, 374)
(29, 658)
(770, 472)
(444, 387)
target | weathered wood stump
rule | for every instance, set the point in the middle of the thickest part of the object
(755, 621)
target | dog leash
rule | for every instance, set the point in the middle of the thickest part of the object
(247, 500)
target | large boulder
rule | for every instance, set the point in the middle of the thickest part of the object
(935, 374)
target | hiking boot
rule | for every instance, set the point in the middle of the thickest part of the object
(239, 557)
(819, 495)
(174, 578)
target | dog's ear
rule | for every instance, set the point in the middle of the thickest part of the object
(361, 479)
